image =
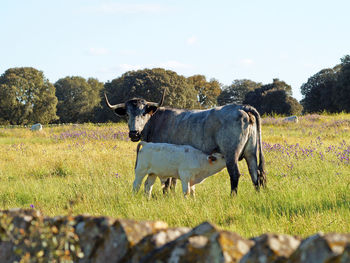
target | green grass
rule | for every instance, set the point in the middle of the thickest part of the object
(90, 169)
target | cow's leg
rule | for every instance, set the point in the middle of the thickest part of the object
(232, 147)
(233, 171)
(173, 184)
(149, 184)
(166, 185)
(232, 151)
(169, 183)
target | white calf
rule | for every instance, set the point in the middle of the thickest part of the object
(183, 162)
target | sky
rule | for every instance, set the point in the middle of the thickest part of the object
(225, 40)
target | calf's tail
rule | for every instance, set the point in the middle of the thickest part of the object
(137, 151)
(261, 166)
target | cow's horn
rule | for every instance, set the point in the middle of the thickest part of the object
(161, 101)
(113, 107)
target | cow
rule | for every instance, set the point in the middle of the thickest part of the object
(233, 130)
(36, 127)
(182, 162)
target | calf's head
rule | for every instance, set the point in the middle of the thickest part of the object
(138, 112)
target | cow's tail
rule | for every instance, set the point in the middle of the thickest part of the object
(137, 151)
(261, 166)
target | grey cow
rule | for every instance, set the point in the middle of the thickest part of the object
(233, 130)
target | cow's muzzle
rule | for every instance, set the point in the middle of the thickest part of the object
(134, 136)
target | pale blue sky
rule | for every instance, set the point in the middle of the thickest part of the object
(226, 40)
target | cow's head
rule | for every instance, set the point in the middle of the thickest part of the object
(138, 112)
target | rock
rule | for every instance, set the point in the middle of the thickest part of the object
(101, 239)
(152, 242)
(345, 258)
(27, 236)
(271, 248)
(36, 127)
(91, 232)
(6, 252)
(122, 236)
(321, 248)
(205, 243)
(291, 119)
(14, 225)
(21, 218)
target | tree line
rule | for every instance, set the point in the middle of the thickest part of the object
(26, 96)
(329, 89)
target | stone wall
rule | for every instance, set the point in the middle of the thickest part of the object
(29, 236)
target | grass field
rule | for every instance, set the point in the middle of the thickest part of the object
(89, 169)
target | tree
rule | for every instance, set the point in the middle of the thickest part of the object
(277, 101)
(273, 98)
(319, 90)
(207, 91)
(278, 85)
(295, 107)
(236, 92)
(77, 98)
(328, 89)
(26, 96)
(148, 84)
(342, 89)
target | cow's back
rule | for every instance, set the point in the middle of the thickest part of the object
(197, 128)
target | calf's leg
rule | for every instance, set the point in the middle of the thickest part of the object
(185, 181)
(149, 184)
(192, 189)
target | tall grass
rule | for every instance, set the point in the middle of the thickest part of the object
(90, 169)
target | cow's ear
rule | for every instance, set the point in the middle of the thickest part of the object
(120, 111)
(151, 109)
